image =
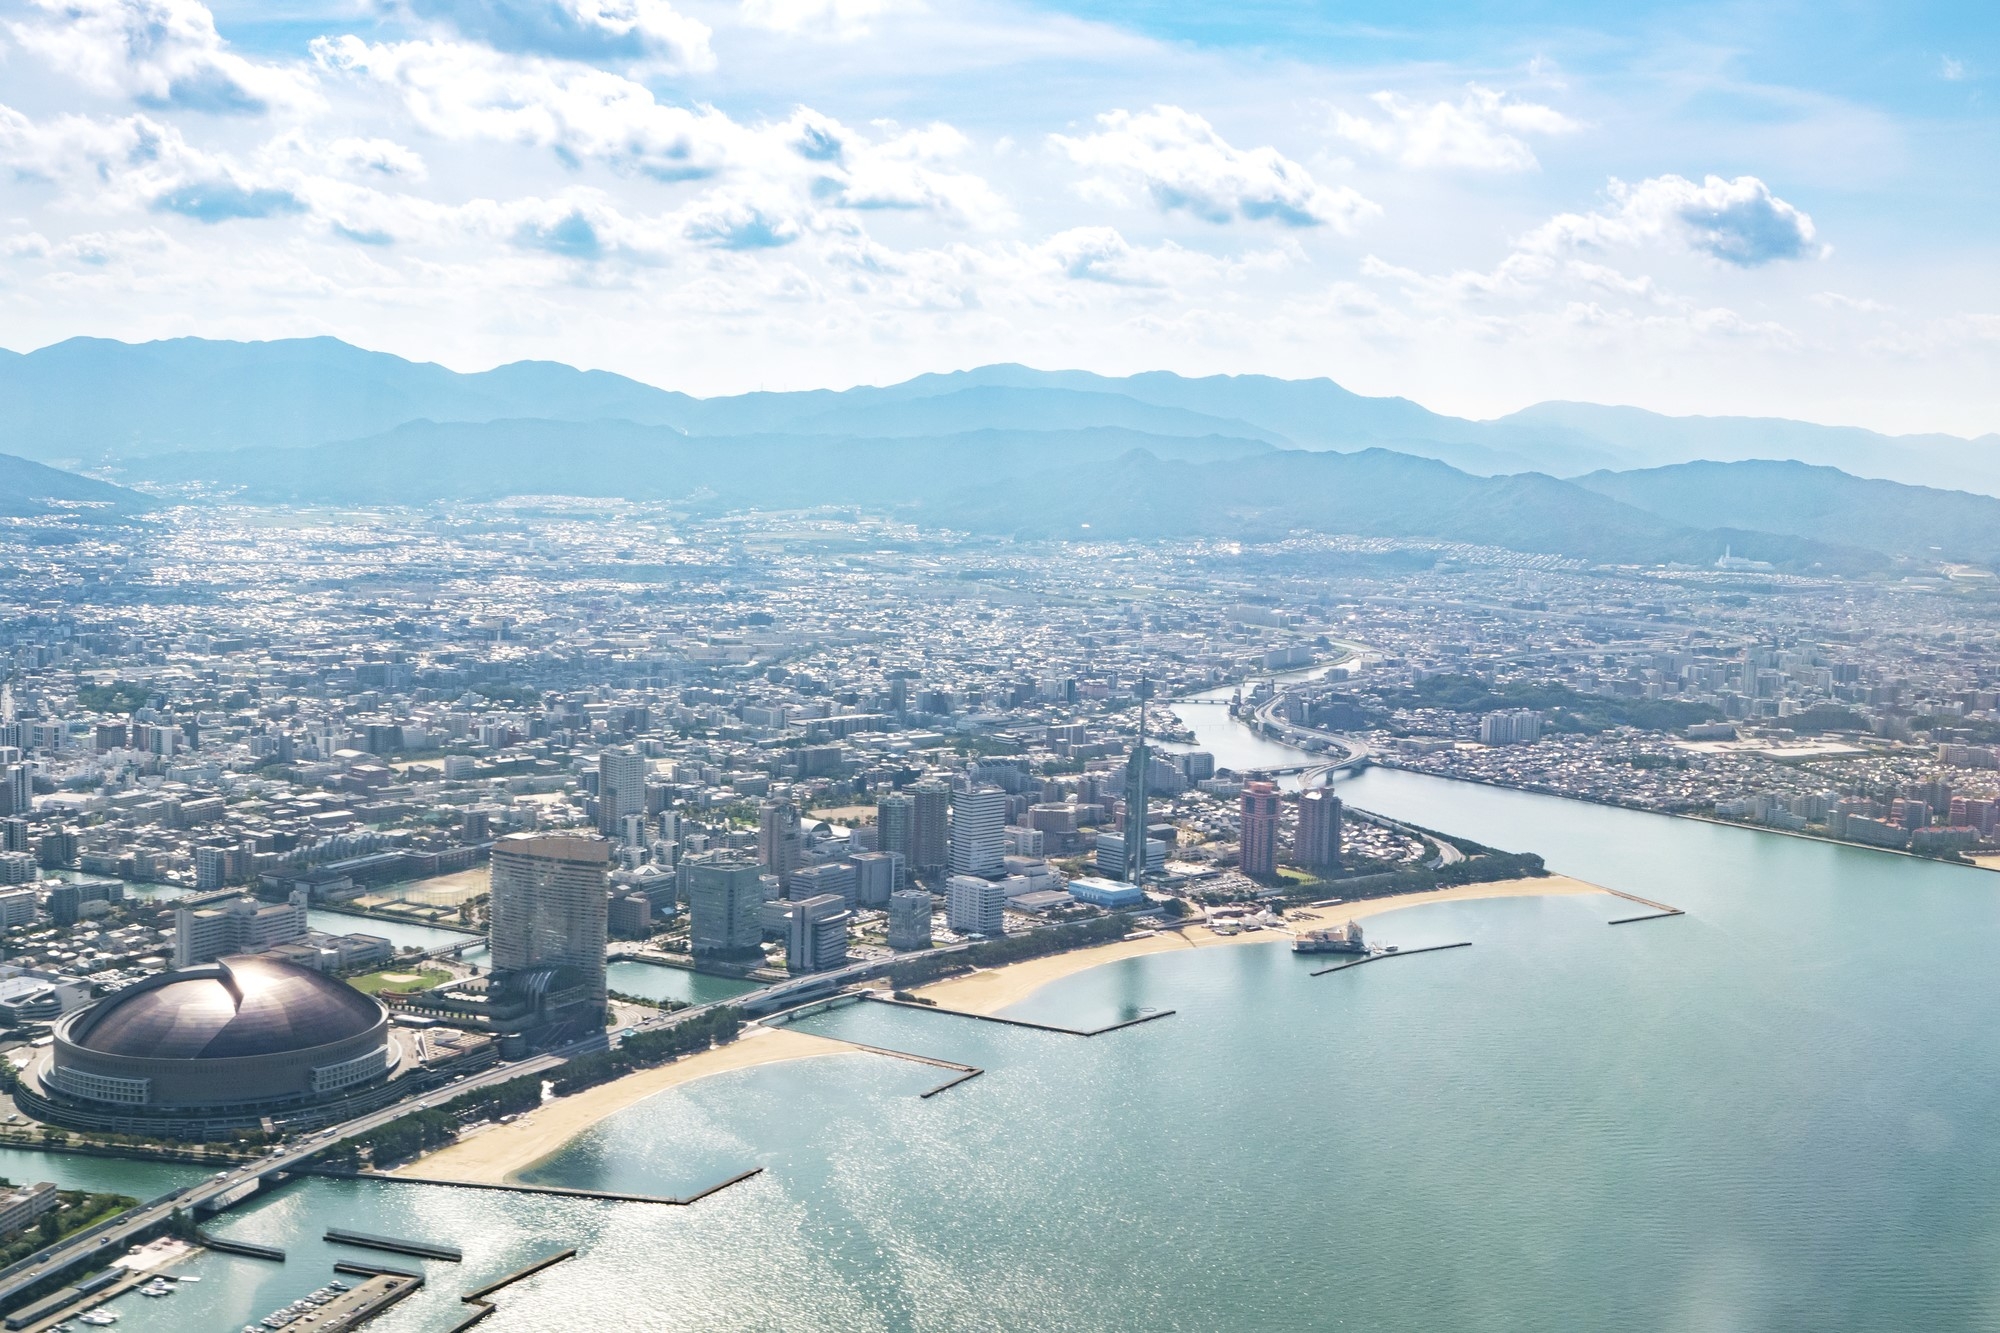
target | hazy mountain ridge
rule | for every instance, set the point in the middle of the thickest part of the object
(1097, 483)
(1806, 501)
(95, 400)
(29, 489)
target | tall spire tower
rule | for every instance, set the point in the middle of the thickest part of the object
(1135, 797)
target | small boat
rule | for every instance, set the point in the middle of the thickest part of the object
(187, 1277)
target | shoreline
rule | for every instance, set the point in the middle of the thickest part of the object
(497, 1154)
(989, 991)
(500, 1153)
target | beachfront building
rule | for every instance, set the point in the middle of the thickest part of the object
(1112, 862)
(548, 916)
(725, 909)
(817, 938)
(1110, 894)
(910, 919)
(1258, 829)
(974, 906)
(1316, 845)
(978, 831)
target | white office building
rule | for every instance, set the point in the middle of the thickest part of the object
(974, 906)
(978, 831)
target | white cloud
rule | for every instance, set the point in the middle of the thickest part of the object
(160, 53)
(136, 162)
(1482, 130)
(645, 31)
(1186, 166)
(375, 159)
(832, 18)
(1951, 69)
(459, 91)
(1739, 222)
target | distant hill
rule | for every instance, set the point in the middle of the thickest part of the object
(92, 401)
(423, 462)
(1645, 439)
(1105, 482)
(1786, 497)
(28, 489)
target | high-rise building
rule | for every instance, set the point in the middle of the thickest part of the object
(1137, 767)
(550, 895)
(818, 933)
(978, 831)
(930, 820)
(211, 868)
(1258, 836)
(208, 929)
(974, 906)
(910, 919)
(894, 816)
(1316, 846)
(725, 909)
(1508, 726)
(877, 875)
(17, 788)
(621, 789)
(778, 840)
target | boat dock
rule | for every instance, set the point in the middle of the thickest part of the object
(1400, 953)
(482, 1307)
(395, 1245)
(343, 1311)
(1022, 1022)
(554, 1191)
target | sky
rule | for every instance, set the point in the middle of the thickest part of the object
(1709, 207)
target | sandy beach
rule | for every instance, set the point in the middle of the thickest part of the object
(495, 1154)
(498, 1153)
(991, 991)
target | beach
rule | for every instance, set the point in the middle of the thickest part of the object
(990, 991)
(498, 1153)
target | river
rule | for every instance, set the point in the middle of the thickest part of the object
(1773, 1113)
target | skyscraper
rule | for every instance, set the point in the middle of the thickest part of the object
(778, 840)
(550, 895)
(1136, 766)
(894, 815)
(1259, 829)
(930, 817)
(621, 789)
(978, 831)
(725, 910)
(1316, 846)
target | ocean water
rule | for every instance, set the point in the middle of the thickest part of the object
(1775, 1113)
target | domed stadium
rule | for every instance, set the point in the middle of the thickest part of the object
(243, 1033)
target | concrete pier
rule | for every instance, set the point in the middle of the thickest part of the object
(1022, 1022)
(555, 1191)
(483, 1307)
(1400, 953)
(396, 1245)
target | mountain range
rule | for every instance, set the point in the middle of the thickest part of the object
(1003, 449)
(93, 401)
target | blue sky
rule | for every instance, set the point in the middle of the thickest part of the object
(1767, 208)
